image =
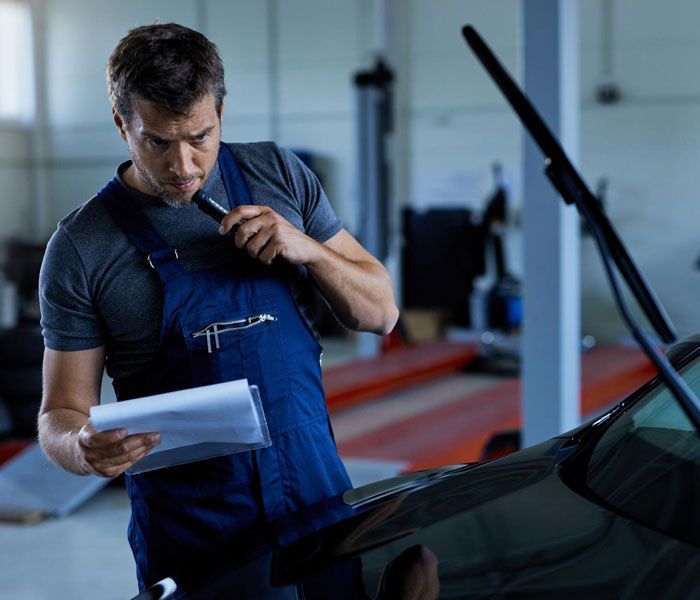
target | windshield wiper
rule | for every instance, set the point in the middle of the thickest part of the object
(567, 181)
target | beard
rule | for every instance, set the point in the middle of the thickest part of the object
(173, 198)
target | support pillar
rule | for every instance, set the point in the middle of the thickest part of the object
(551, 293)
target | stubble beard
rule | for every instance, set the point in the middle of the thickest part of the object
(173, 199)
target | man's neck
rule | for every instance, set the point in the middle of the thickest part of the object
(132, 179)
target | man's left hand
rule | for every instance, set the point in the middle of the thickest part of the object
(265, 235)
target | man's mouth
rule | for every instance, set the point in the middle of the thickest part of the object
(182, 186)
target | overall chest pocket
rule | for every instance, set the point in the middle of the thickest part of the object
(225, 345)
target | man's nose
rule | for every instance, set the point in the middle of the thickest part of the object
(180, 163)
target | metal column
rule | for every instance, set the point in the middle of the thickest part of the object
(374, 126)
(551, 333)
(374, 119)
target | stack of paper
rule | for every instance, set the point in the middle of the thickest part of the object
(194, 424)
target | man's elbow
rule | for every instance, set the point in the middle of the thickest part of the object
(391, 317)
(387, 313)
(47, 437)
(384, 321)
(377, 311)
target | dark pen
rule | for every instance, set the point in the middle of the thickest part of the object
(212, 208)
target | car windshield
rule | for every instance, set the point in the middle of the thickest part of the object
(647, 464)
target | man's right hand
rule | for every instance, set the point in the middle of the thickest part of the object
(110, 453)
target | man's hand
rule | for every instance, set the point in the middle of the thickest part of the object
(355, 284)
(265, 235)
(110, 453)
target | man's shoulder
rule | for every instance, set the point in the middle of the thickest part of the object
(254, 150)
(87, 224)
(265, 148)
(261, 152)
(83, 215)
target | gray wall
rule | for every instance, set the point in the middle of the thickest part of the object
(289, 66)
(288, 75)
(15, 179)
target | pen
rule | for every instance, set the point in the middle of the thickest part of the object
(212, 208)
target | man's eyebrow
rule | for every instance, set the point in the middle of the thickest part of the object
(204, 131)
(157, 136)
(150, 134)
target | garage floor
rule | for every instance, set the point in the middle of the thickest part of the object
(86, 555)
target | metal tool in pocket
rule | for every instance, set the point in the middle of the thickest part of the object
(213, 330)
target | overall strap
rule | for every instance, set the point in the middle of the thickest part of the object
(140, 232)
(236, 187)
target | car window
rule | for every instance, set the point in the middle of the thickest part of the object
(647, 464)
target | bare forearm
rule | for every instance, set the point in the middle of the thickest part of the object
(359, 292)
(71, 388)
(58, 436)
(356, 285)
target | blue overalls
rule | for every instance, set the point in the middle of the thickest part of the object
(229, 322)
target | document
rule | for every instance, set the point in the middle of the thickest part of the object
(194, 424)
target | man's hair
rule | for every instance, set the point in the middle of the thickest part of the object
(167, 64)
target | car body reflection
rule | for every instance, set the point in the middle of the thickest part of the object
(576, 516)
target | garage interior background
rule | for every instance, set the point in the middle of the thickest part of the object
(290, 66)
(289, 72)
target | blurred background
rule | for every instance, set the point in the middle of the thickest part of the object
(420, 157)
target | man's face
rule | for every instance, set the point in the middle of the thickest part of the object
(172, 154)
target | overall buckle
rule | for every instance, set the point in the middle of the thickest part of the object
(150, 262)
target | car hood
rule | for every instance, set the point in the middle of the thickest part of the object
(507, 528)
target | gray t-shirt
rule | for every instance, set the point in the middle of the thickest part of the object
(96, 289)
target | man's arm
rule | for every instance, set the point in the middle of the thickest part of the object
(356, 285)
(72, 382)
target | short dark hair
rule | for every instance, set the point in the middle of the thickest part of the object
(167, 64)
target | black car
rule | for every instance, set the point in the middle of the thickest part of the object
(605, 511)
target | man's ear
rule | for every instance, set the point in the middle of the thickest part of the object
(221, 111)
(119, 122)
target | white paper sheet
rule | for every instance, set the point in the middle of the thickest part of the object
(193, 424)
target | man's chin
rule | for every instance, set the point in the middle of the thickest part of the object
(173, 197)
(177, 201)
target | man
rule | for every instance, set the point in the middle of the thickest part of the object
(139, 278)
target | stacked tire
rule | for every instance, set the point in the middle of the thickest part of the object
(21, 355)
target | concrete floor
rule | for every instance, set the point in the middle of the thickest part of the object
(86, 555)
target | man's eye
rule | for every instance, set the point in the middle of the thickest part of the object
(200, 138)
(156, 143)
